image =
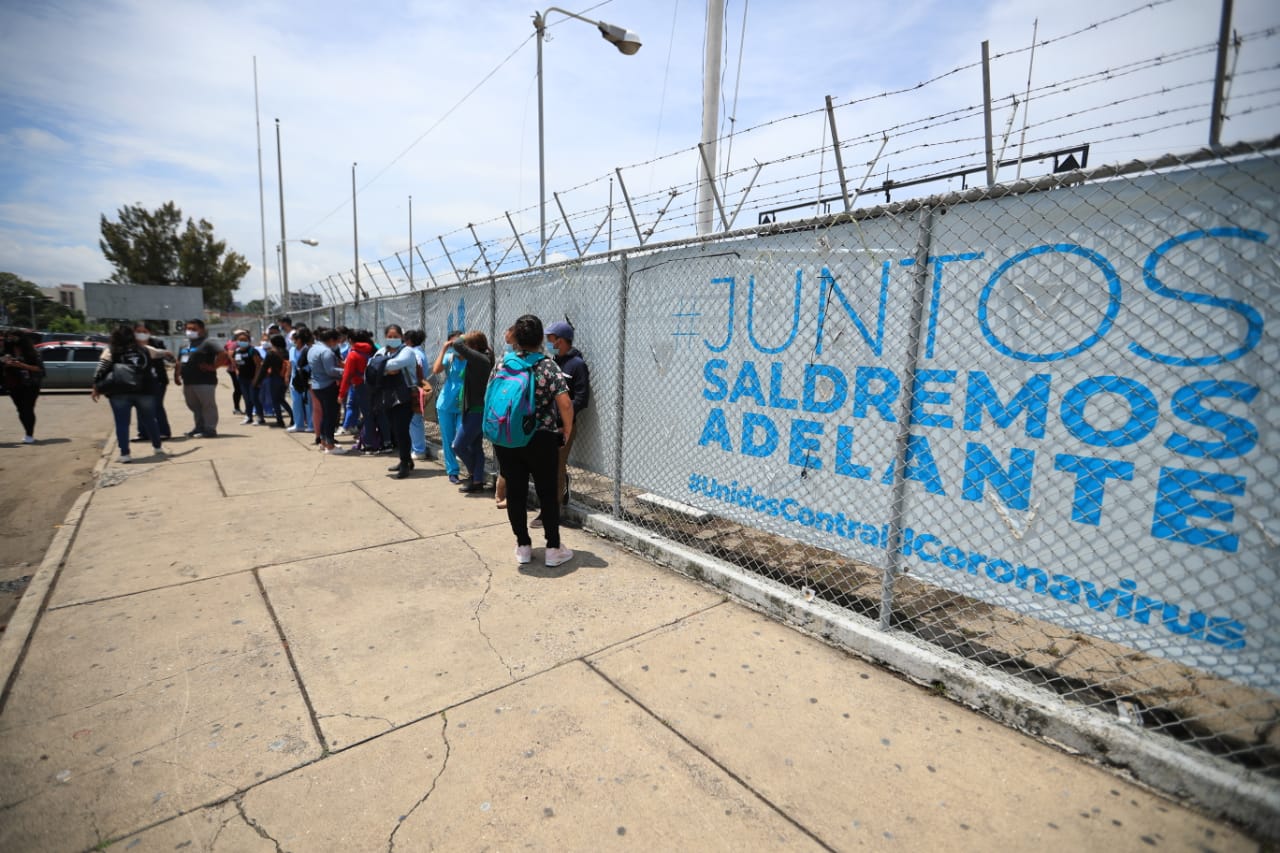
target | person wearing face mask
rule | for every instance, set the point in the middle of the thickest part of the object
(468, 445)
(402, 369)
(197, 374)
(23, 371)
(159, 380)
(326, 370)
(124, 376)
(247, 361)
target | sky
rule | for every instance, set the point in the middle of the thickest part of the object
(123, 102)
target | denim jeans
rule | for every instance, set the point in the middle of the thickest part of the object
(122, 406)
(450, 420)
(418, 434)
(468, 445)
(252, 405)
(301, 409)
(355, 412)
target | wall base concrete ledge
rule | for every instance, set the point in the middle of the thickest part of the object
(1213, 784)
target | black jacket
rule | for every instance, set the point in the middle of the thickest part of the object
(575, 372)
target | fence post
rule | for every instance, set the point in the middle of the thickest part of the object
(897, 505)
(620, 405)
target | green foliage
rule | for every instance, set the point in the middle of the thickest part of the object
(18, 297)
(146, 247)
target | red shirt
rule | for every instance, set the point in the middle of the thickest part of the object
(353, 368)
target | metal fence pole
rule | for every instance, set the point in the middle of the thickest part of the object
(897, 506)
(620, 406)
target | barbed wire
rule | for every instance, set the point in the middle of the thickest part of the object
(894, 151)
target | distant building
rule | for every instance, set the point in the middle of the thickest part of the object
(67, 295)
(304, 301)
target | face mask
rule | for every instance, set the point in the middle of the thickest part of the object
(242, 344)
(141, 337)
(193, 335)
(393, 343)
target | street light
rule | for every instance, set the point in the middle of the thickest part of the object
(282, 258)
(626, 42)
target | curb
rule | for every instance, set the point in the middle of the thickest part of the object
(1214, 785)
(17, 636)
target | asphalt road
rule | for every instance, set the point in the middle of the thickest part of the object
(40, 482)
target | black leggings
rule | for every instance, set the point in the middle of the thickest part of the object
(538, 459)
(24, 400)
(328, 399)
(400, 417)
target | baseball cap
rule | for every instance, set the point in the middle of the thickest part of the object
(560, 329)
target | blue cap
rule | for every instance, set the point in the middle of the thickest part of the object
(561, 329)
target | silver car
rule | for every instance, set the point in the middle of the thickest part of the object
(70, 364)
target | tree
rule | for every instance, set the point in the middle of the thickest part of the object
(19, 298)
(255, 307)
(145, 247)
(204, 262)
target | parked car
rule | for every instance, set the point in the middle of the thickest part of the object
(70, 364)
(74, 336)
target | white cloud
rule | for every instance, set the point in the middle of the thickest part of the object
(158, 105)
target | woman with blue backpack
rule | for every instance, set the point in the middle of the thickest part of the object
(528, 415)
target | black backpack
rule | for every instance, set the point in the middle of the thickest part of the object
(375, 373)
(127, 377)
(301, 379)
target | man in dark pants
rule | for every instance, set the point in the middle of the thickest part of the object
(197, 375)
(576, 375)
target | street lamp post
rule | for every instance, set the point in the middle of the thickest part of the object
(282, 258)
(284, 253)
(626, 42)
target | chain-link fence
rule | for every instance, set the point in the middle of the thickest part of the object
(1033, 425)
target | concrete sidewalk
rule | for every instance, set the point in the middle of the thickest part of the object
(254, 646)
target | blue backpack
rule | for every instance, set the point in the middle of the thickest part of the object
(509, 419)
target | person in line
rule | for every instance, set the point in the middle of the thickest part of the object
(326, 370)
(124, 376)
(23, 372)
(402, 369)
(271, 378)
(197, 374)
(300, 379)
(448, 413)
(286, 328)
(352, 388)
(537, 459)
(245, 360)
(468, 445)
(265, 407)
(576, 375)
(415, 338)
(500, 483)
(236, 396)
(159, 380)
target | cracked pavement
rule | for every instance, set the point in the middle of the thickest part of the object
(227, 681)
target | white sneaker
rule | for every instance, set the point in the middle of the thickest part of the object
(555, 556)
(125, 460)
(524, 554)
(28, 439)
(159, 451)
(293, 429)
(421, 457)
(341, 431)
(247, 422)
(335, 449)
